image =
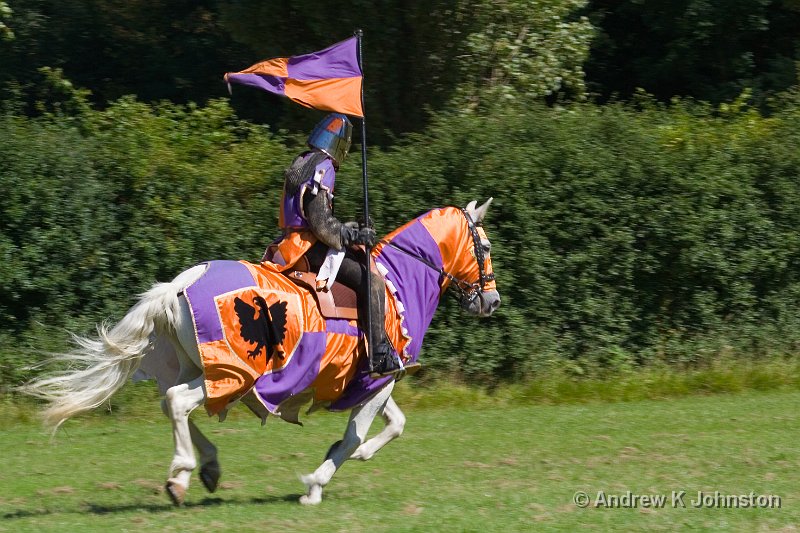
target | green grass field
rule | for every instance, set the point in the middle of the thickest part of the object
(489, 469)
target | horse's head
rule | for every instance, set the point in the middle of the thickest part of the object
(472, 274)
(442, 248)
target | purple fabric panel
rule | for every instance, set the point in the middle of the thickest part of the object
(298, 375)
(360, 389)
(419, 293)
(292, 215)
(292, 212)
(417, 284)
(337, 61)
(329, 178)
(340, 325)
(273, 84)
(220, 277)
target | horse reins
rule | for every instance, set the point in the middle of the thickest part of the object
(467, 292)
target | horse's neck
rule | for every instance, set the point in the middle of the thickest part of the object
(414, 273)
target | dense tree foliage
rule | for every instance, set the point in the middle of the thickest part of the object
(710, 50)
(5, 14)
(420, 57)
(523, 49)
(157, 50)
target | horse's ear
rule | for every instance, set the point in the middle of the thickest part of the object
(480, 213)
(471, 208)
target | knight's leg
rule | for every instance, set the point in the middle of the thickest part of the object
(357, 428)
(180, 401)
(395, 421)
(353, 273)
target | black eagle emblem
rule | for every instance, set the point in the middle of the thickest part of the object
(267, 330)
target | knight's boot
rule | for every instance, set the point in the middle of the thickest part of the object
(385, 361)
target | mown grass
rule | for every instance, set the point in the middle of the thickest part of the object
(479, 462)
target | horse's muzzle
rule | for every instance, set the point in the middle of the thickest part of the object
(485, 304)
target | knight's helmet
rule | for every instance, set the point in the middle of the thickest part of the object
(332, 135)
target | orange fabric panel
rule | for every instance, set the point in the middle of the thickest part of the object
(226, 376)
(272, 67)
(229, 376)
(293, 246)
(453, 245)
(337, 368)
(308, 311)
(456, 246)
(335, 94)
(256, 354)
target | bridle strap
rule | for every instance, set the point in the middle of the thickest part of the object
(480, 257)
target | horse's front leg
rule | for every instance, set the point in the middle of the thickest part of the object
(357, 428)
(179, 402)
(395, 421)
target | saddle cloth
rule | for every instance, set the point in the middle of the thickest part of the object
(257, 330)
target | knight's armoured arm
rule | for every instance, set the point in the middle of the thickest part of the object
(328, 228)
(323, 223)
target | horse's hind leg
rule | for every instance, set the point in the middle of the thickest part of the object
(395, 421)
(180, 401)
(357, 428)
(191, 368)
(210, 470)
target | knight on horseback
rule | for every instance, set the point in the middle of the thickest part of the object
(311, 230)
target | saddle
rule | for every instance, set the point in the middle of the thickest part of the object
(338, 302)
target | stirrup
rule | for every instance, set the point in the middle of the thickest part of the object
(388, 362)
(398, 373)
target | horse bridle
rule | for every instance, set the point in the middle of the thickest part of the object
(467, 292)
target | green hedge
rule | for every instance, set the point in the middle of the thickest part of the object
(95, 208)
(623, 234)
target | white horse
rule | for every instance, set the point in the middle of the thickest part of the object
(444, 247)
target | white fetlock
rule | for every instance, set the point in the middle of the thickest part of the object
(362, 453)
(314, 496)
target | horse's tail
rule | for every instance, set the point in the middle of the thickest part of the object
(100, 366)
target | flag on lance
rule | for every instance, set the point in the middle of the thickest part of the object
(329, 80)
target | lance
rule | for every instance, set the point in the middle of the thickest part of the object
(277, 76)
(365, 182)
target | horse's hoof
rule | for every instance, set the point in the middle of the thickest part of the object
(176, 493)
(314, 496)
(210, 474)
(308, 500)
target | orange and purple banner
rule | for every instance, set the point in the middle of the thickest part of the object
(329, 80)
